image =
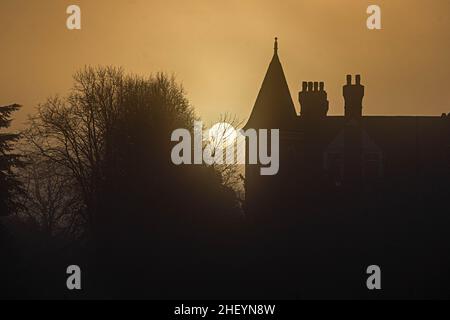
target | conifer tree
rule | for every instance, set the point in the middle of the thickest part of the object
(9, 184)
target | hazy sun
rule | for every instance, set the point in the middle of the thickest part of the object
(222, 134)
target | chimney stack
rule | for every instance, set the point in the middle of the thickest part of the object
(353, 96)
(313, 100)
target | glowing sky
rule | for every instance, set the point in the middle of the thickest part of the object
(220, 50)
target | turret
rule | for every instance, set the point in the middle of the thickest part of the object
(274, 107)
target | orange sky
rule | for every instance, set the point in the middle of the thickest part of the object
(220, 50)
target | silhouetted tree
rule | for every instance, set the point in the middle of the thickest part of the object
(227, 130)
(108, 144)
(50, 200)
(72, 131)
(10, 189)
(113, 135)
(9, 185)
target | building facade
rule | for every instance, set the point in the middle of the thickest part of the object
(351, 163)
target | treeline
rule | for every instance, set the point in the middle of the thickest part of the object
(90, 182)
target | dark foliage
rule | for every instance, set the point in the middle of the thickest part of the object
(148, 225)
(9, 184)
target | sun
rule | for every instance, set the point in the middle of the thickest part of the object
(222, 135)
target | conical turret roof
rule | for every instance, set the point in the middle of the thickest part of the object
(273, 107)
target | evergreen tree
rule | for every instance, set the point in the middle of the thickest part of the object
(9, 184)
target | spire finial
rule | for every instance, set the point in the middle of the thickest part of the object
(275, 48)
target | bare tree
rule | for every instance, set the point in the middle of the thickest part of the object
(73, 132)
(82, 133)
(51, 200)
(224, 141)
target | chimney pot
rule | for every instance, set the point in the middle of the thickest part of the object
(304, 86)
(349, 79)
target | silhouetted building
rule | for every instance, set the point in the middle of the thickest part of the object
(348, 163)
